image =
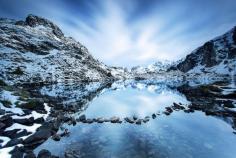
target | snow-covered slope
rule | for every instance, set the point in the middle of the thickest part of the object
(215, 56)
(36, 50)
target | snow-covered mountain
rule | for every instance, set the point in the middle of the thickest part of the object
(159, 66)
(36, 50)
(215, 56)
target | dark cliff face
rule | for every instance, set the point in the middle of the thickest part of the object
(234, 35)
(221, 50)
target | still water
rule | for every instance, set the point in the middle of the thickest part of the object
(180, 134)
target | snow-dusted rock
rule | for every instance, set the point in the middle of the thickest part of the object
(215, 56)
(35, 50)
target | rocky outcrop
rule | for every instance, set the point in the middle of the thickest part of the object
(36, 50)
(217, 55)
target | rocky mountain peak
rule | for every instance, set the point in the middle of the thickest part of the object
(35, 51)
(213, 56)
(33, 21)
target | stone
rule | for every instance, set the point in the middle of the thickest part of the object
(100, 120)
(129, 120)
(2, 112)
(178, 106)
(21, 133)
(145, 120)
(188, 110)
(154, 116)
(56, 137)
(73, 121)
(82, 118)
(44, 154)
(7, 120)
(17, 152)
(38, 137)
(2, 125)
(139, 121)
(166, 113)
(30, 155)
(135, 117)
(11, 133)
(168, 109)
(115, 119)
(25, 121)
(65, 133)
(39, 120)
(14, 142)
(89, 121)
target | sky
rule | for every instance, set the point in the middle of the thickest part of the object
(132, 32)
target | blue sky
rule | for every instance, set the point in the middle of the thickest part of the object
(132, 32)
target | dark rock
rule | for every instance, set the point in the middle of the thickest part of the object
(7, 120)
(169, 110)
(2, 125)
(166, 113)
(210, 112)
(188, 110)
(22, 133)
(44, 154)
(30, 155)
(39, 120)
(139, 121)
(56, 137)
(38, 137)
(115, 119)
(73, 121)
(82, 118)
(25, 121)
(89, 121)
(17, 152)
(65, 133)
(2, 112)
(146, 119)
(178, 106)
(154, 116)
(13, 142)
(129, 120)
(11, 133)
(36, 105)
(100, 120)
(135, 117)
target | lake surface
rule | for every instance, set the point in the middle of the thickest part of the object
(180, 134)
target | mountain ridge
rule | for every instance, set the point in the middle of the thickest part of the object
(36, 50)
